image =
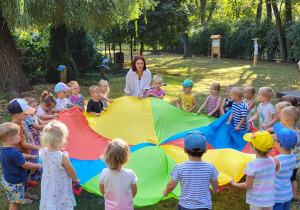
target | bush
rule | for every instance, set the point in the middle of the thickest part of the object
(293, 35)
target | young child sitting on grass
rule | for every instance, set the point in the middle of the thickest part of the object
(260, 172)
(266, 112)
(195, 175)
(285, 139)
(157, 91)
(239, 110)
(63, 103)
(187, 100)
(14, 166)
(95, 105)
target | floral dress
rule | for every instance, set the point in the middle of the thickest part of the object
(34, 132)
(56, 186)
(77, 100)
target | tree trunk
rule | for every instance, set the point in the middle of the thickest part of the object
(109, 51)
(279, 32)
(211, 9)
(12, 77)
(288, 19)
(131, 56)
(142, 46)
(186, 46)
(258, 11)
(104, 49)
(269, 9)
(202, 11)
(155, 51)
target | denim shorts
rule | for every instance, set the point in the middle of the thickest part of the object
(14, 192)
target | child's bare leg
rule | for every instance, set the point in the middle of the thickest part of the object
(14, 206)
(295, 188)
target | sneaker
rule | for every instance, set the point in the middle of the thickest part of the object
(295, 200)
(32, 183)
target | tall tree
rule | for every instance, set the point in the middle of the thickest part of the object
(288, 23)
(259, 11)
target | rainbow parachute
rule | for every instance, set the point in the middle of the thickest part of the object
(154, 130)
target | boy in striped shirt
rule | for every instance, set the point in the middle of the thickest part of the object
(285, 140)
(195, 175)
(260, 172)
(239, 110)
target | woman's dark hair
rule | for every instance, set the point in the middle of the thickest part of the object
(136, 58)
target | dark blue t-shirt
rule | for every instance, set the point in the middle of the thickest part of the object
(11, 161)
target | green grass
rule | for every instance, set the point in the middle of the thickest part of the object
(174, 69)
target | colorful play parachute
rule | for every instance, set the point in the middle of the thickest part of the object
(154, 129)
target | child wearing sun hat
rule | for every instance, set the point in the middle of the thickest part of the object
(260, 172)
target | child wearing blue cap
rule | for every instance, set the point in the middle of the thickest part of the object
(285, 139)
(63, 103)
(187, 100)
(195, 175)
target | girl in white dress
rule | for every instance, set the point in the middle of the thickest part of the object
(249, 93)
(56, 186)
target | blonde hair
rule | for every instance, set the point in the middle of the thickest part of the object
(266, 92)
(54, 132)
(157, 77)
(93, 89)
(282, 105)
(7, 130)
(230, 86)
(117, 154)
(238, 91)
(292, 99)
(215, 86)
(30, 100)
(251, 90)
(101, 82)
(47, 98)
(291, 112)
(72, 83)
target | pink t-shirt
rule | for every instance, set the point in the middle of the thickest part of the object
(158, 93)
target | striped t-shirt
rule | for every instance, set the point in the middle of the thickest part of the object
(262, 193)
(239, 111)
(195, 178)
(283, 186)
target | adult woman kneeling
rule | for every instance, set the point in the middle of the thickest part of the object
(138, 78)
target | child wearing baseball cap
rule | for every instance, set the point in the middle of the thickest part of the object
(187, 100)
(194, 175)
(260, 172)
(19, 110)
(63, 103)
(285, 139)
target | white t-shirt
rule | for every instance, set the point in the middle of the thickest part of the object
(63, 103)
(117, 188)
(134, 86)
(40, 111)
(265, 115)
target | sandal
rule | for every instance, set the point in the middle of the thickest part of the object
(32, 197)
(27, 201)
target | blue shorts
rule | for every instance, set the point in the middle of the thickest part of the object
(14, 192)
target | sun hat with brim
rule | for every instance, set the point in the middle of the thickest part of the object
(261, 140)
(19, 105)
(61, 87)
(188, 83)
(287, 137)
(195, 140)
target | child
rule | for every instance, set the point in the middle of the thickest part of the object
(14, 166)
(19, 110)
(278, 108)
(63, 103)
(239, 110)
(195, 175)
(266, 112)
(289, 117)
(292, 99)
(104, 90)
(95, 105)
(260, 172)
(117, 184)
(157, 91)
(56, 185)
(187, 100)
(285, 139)
(249, 93)
(46, 107)
(214, 101)
(227, 102)
(75, 97)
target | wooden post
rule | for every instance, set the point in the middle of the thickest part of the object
(255, 60)
(215, 46)
(63, 73)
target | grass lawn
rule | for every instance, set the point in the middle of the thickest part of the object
(174, 69)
